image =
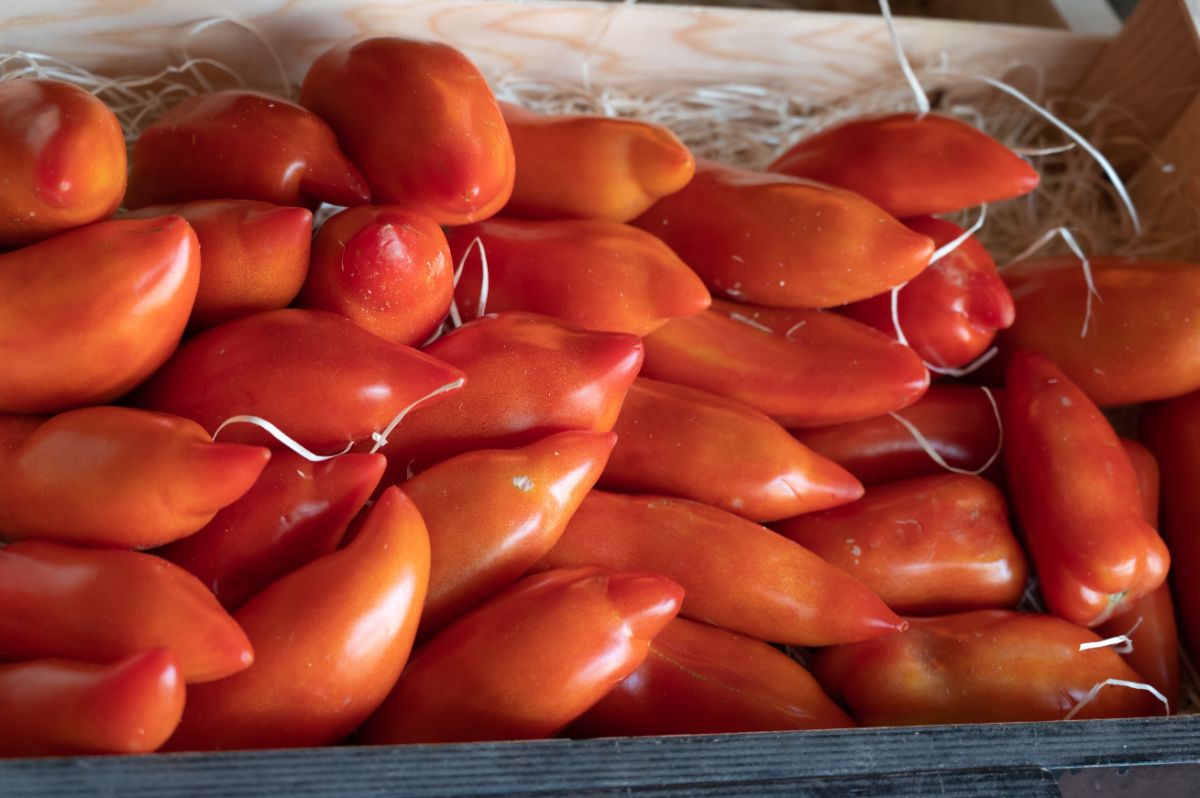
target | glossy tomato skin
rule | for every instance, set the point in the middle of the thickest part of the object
(238, 144)
(950, 312)
(911, 164)
(528, 376)
(986, 666)
(253, 255)
(55, 707)
(678, 441)
(528, 662)
(296, 512)
(91, 313)
(779, 241)
(582, 166)
(926, 546)
(1171, 430)
(1143, 336)
(101, 605)
(598, 274)
(804, 368)
(420, 121)
(738, 575)
(316, 375)
(699, 679)
(493, 513)
(385, 268)
(114, 476)
(62, 155)
(1076, 496)
(330, 640)
(958, 421)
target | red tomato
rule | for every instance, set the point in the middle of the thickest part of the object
(62, 155)
(420, 121)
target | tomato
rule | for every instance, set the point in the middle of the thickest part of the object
(91, 313)
(238, 144)
(805, 368)
(330, 640)
(737, 574)
(317, 376)
(591, 167)
(1171, 430)
(529, 661)
(950, 312)
(775, 240)
(679, 441)
(493, 513)
(254, 255)
(1143, 335)
(926, 546)
(420, 121)
(385, 268)
(703, 680)
(911, 164)
(958, 422)
(605, 276)
(987, 666)
(113, 476)
(54, 707)
(100, 605)
(1076, 496)
(62, 155)
(296, 512)
(528, 376)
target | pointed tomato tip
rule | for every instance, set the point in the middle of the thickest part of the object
(649, 601)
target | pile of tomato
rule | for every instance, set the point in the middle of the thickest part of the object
(556, 429)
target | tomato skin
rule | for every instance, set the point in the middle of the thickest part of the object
(699, 679)
(804, 368)
(115, 476)
(911, 164)
(330, 640)
(55, 707)
(100, 605)
(528, 376)
(678, 441)
(384, 268)
(987, 666)
(738, 575)
(493, 513)
(606, 276)
(951, 311)
(779, 241)
(316, 375)
(296, 512)
(254, 255)
(92, 312)
(1076, 496)
(1171, 430)
(926, 546)
(528, 662)
(420, 121)
(238, 144)
(1143, 337)
(591, 167)
(958, 421)
(62, 154)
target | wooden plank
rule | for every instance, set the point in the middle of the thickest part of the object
(633, 764)
(1151, 72)
(824, 56)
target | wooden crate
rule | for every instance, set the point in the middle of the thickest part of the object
(1151, 68)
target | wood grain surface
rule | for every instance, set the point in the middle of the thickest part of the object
(829, 55)
(744, 764)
